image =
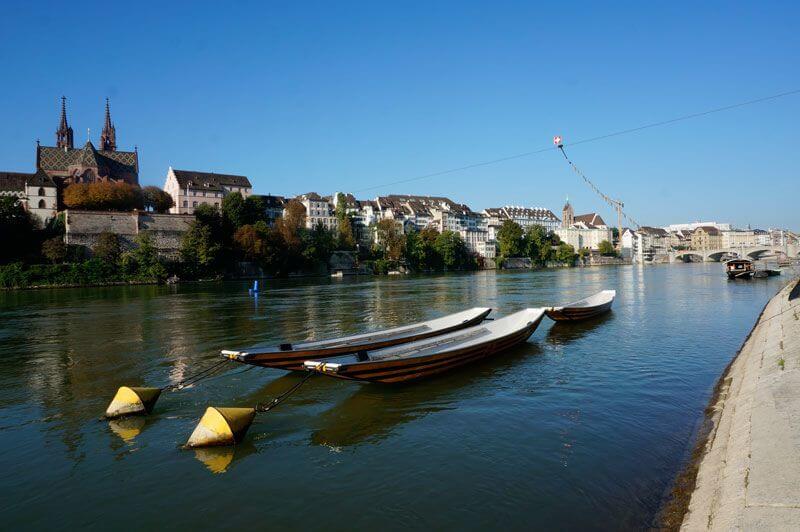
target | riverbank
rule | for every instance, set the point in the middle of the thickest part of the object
(745, 471)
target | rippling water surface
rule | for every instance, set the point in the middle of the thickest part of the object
(585, 426)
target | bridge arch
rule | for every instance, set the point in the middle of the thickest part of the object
(687, 255)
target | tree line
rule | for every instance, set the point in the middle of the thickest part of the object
(536, 243)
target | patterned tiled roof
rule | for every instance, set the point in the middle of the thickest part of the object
(116, 163)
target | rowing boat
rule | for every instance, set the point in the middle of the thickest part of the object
(431, 356)
(292, 356)
(583, 309)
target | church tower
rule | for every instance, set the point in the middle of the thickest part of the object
(108, 139)
(64, 132)
(567, 215)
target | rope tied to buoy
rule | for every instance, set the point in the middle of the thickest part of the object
(228, 425)
(139, 400)
(197, 377)
(267, 406)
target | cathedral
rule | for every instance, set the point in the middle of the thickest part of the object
(66, 164)
(57, 167)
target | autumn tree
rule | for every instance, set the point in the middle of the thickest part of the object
(390, 239)
(103, 196)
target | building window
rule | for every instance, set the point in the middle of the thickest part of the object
(194, 204)
(185, 203)
(41, 191)
(216, 204)
(41, 202)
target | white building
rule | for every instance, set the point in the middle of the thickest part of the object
(319, 210)
(37, 193)
(738, 238)
(694, 225)
(629, 248)
(652, 244)
(583, 237)
(525, 217)
(190, 189)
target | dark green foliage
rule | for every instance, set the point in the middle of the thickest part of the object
(16, 230)
(107, 248)
(54, 249)
(233, 212)
(200, 251)
(156, 199)
(509, 240)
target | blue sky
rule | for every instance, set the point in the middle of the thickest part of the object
(329, 96)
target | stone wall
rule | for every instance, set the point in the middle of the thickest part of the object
(83, 228)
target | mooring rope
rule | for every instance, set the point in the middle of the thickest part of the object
(266, 407)
(197, 377)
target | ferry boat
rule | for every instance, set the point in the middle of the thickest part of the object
(739, 269)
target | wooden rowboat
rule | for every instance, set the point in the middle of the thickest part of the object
(584, 308)
(429, 357)
(292, 356)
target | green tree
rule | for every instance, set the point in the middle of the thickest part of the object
(233, 211)
(200, 251)
(146, 259)
(16, 230)
(565, 254)
(107, 248)
(509, 240)
(537, 243)
(452, 250)
(156, 199)
(606, 248)
(345, 239)
(318, 244)
(54, 249)
(254, 210)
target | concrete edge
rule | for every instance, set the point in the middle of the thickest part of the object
(676, 505)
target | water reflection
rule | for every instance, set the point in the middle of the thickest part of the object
(374, 411)
(564, 332)
(589, 444)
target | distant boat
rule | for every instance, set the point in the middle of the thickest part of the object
(583, 309)
(739, 269)
(292, 356)
(767, 272)
(433, 355)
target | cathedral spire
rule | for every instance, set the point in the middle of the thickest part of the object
(108, 138)
(64, 132)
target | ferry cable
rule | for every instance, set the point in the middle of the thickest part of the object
(590, 139)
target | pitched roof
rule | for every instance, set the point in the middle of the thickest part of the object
(271, 202)
(591, 219)
(209, 180)
(709, 229)
(60, 159)
(537, 213)
(17, 180)
(654, 231)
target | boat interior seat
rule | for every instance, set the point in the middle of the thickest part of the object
(362, 356)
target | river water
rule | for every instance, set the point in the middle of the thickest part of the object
(585, 426)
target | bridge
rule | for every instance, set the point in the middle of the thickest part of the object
(791, 251)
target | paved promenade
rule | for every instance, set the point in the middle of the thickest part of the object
(749, 477)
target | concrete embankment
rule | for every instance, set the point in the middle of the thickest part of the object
(748, 471)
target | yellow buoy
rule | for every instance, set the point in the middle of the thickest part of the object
(132, 401)
(221, 426)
